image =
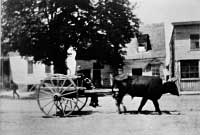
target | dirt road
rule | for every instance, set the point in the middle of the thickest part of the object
(181, 116)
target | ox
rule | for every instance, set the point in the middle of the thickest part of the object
(147, 87)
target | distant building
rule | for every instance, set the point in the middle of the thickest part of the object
(23, 71)
(145, 56)
(185, 54)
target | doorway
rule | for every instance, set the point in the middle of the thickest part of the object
(137, 71)
(97, 78)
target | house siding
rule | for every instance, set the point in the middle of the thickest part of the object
(17, 70)
(180, 50)
(182, 42)
(106, 72)
(157, 40)
(157, 54)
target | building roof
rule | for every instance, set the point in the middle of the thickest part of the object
(185, 23)
(156, 34)
(143, 63)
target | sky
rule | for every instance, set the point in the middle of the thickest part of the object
(167, 11)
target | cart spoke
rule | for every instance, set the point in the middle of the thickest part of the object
(57, 106)
(47, 104)
(67, 106)
(80, 101)
(77, 107)
(43, 98)
(63, 110)
(69, 93)
(58, 84)
(70, 103)
(68, 99)
(69, 85)
(45, 92)
(50, 109)
(72, 83)
(57, 81)
(49, 87)
(51, 80)
(61, 90)
(64, 81)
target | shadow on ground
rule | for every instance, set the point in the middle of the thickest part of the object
(146, 112)
(74, 114)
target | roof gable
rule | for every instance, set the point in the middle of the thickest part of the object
(156, 34)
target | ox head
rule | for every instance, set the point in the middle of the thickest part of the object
(170, 87)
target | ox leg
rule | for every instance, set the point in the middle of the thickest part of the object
(124, 107)
(155, 102)
(119, 110)
(119, 102)
(142, 103)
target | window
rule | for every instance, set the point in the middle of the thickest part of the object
(194, 42)
(155, 70)
(143, 43)
(47, 69)
(30, 67)
(190, 69)
(137, 71)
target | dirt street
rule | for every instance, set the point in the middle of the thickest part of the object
(181, 116)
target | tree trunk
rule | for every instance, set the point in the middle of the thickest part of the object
(60, 67)
(59, 61)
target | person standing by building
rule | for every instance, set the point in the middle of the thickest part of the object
(14, 87)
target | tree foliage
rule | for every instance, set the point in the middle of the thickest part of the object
(45, 29)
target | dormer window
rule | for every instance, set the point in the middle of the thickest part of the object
(144, 44)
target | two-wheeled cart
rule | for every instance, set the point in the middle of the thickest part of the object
(60, 95)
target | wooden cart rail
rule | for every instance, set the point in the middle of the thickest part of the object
(64, 88)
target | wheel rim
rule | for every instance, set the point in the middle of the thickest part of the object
(81, 102)
(57, 96)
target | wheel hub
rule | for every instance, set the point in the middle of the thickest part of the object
(57, 97)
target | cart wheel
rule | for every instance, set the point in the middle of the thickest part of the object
(82, 101)
(57, 95)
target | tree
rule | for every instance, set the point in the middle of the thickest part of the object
(45, 29)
